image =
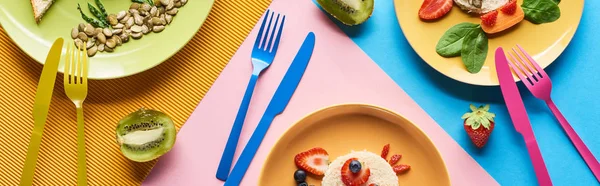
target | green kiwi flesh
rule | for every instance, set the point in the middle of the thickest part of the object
(349, 12)
(145, 135)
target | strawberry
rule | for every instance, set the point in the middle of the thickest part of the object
(479, 124)
(399, 169)
(395, 158)
(385, 151)
(434, 9)
(354, 179)
(372, 184)
(489, 19)
(509, 8)
(315, 161)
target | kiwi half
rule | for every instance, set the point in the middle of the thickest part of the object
(145, 135)
(349, 12)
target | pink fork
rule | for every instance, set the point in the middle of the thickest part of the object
(540, 85)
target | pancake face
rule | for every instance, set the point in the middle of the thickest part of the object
(381, 171)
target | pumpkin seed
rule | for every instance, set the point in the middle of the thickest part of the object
(183, 2)
(81, 27)
(145, 29)
(158, 29)
(153, 11)
(136, 29)
(74, 33)
(134, 6)
(89, 30)
(124, 37)
(146, 7)
(169, 18)
(101, 38)
(90, 43)
(173, 11)
(156, 2)
(137, 35)
(106, 49)
(78, 43)
(178, 5)
(92, 51)
(119, 26)
(111, 43)
(101, 47)
(97, 31)
(82, 36)
(124, 20)
(107, 32)
(165, 2)
(129, 22)
(156, 21)
(161, 10)
(119, 41)
(97, 42)
(112, 19)
(121, 15)
(139, 20)
(134, 11)
(117, 31)
(170, 5)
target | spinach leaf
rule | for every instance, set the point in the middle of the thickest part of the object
(541, 11)
(474, 50)
(556, 1)
(450, 43)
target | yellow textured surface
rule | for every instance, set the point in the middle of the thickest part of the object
(174, 87)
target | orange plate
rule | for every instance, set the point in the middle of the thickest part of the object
(343, 128)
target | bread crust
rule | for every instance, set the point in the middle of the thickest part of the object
(39, 13)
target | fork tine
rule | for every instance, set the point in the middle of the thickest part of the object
(260, 31)
(539, 69)
(80, 65)
(524, 61)
(264, 43)
(85, 67)
(275, 46)
(73, 61)
(67, 65)
(522, 73)
(273, 33)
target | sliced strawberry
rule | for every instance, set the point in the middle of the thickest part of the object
(315, 161)
(399, 169)
(509, 8)
(395, 158)
(434, 9)
(385, 151)
(489, 19)
(372, 184)
(354, 179)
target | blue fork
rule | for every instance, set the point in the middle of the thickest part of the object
(262, 57)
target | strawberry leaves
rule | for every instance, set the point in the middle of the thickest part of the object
(479, 117)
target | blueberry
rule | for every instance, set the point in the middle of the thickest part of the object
(303, 184)
(355, 166)
(300, 176)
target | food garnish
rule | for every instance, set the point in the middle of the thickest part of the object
(314, 161)
(489, 19)
(399, 169)
(349, 12)
(510, 7)
(434, 9)
(508, 16)
(394, 159)
(541, 11)
(385, 151)
(352, 177)
(145, 135)
(479, 124)
(467, 40)
(450, 43)
(300, 177)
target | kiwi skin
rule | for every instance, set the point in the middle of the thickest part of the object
(145, 119)
(345, 14)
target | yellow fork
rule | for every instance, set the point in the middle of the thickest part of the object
(75, 80)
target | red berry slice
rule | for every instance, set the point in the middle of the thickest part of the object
(395, 158)
(509, 8)
(434, 9)
(399, 169)
(489, 19)
(315, 161)
(385, 151)
(354, 179)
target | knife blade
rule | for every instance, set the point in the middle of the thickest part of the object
(280, 100)
(43, 97)
(518, 115)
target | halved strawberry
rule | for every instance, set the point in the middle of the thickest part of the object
(434, 9)
(401, 168)
(489, 19)
(395, 158)
(354, 179)
(385, 151)
(315, 161)
(509, 8)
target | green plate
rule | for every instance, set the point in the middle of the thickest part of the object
(16, 17)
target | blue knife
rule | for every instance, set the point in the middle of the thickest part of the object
(280, 99)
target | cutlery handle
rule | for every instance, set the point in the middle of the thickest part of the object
(32, 155)
(242, 164)
(81, 167)
(538, 162)
(234, 135)
(587, 155)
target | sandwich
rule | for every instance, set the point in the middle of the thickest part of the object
(480, 6)
(40, 7)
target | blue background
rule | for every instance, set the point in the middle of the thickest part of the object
(576, 88)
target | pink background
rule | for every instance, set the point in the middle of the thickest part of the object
(331, 78)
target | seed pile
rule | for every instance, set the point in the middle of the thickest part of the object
(139, 20)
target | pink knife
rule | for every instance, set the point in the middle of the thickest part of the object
(519, 117)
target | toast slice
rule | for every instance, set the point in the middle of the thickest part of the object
(39, 8)
(480, 6)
